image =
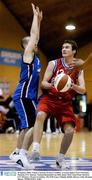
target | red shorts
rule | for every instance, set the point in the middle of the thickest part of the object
(60, 109)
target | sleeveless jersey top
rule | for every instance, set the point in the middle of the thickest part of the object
(60, 66)
(29, 80)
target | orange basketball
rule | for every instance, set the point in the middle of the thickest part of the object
(62, 82)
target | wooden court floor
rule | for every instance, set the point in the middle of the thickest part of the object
(81, 145)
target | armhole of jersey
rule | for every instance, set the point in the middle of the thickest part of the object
(29, 63)
(55, 65)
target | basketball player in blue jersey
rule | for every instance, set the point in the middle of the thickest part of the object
(25, 95)
(57, 104)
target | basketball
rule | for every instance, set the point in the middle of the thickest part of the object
(62, 82)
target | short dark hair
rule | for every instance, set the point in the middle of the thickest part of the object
(73, 44)
(23, 41)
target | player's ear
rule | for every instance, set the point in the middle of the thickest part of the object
(74, 52)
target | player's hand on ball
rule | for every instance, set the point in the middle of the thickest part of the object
(52, 82)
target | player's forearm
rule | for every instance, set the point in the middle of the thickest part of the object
(78, 89)
(46, 85)
(35, 27)
(39, 24)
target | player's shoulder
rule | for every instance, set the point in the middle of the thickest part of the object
(53, 61)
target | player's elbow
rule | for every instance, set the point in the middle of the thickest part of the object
(83, 91)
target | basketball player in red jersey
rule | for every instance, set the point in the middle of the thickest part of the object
(58, 104)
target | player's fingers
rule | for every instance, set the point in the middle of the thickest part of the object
(72, 64)
(33, 6)
(37, 9)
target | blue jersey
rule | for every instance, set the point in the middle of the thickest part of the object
(29, 80)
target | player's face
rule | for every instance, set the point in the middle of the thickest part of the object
(67, 50)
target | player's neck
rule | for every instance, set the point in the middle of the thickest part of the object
(68, 59)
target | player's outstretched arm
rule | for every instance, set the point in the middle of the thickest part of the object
(77, 63)
(80, 64)
(34, 35)
(87, 61)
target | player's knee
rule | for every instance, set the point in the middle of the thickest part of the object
(41, 117)
(69, 130)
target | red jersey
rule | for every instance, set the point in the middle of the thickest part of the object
(59, 104)
(59, 67)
